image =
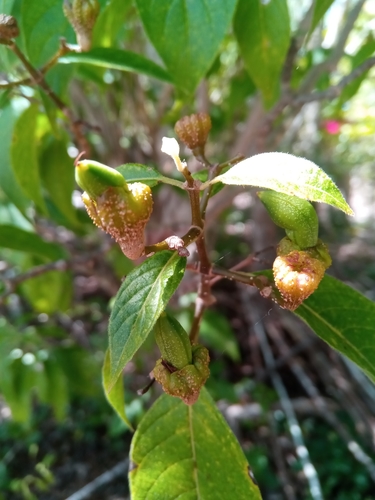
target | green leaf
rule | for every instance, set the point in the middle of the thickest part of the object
(217, 333)
(57, 172)
(25, 241)
(345, 319)
(24, 155)
(42, 25)
(287, 174)
(321, 7)
(109, 22)
(115, 397)
(187, 34)
(122, 60)
(188, 452)
(8, 180)
(135, 172)
(141, 299)
(263, 34)
(57, 394)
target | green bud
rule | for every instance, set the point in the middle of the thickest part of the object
(94, 177)
(295, 215)
(173, 342)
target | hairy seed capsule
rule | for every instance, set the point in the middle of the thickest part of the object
(8, 27)
(173, 342)
(193, 130)
(82, 15)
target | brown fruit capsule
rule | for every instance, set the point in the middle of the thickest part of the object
(8, 27)
(193, 130)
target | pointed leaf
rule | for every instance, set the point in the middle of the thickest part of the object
(186, 34)
(263, 34)
(188, 452)
(115, 397)
(24, 155)
(287, 174)
(110, 20)
(345, 319)
(122, 60)
(17, 239)
(141, 299)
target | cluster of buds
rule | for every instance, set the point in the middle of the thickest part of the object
(82, 15)
(183, 369)
(120, 209)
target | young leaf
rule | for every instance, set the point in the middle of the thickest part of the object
(24, 155)
(8, 180)
(122, 60)
(287, 174)
(141, 299)
(25, 241)
(352, 333)
(135, 172)
(181, 451)
(42, 24)
(115, 397)
(263, 34)
(187, 35)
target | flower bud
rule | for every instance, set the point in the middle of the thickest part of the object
(295, 215)
(173, 341)
(82, 15)
(8, 27)
(120, 209)
(297, 273)
(183, 369)
(193, 130)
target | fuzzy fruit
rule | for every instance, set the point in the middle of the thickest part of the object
(193, 130)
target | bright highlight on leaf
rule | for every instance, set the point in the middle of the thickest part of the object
(181, 451)
(287, 174)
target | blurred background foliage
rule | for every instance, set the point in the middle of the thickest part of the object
(59, 274)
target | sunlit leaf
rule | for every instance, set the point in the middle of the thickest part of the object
(141, 299)
(186, 34)
(189, 452)
(287, 174)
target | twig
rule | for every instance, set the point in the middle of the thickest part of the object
(107, 477)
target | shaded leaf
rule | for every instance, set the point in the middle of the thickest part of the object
(109, 22)
(135, 172)
(24, 155)
(25, 241)
(217, 333)
(57, 394)
(8, 180)
(344, 319)
(115, 397)
(58, 176)
(142, 297)
(186, 34)
(43, 24)
(287, 174)
(263, 34)
(181, 451)
(122, 60)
